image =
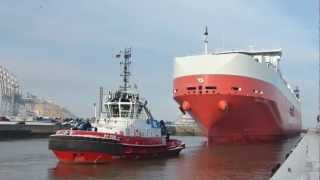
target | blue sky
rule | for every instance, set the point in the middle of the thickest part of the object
(63, 50)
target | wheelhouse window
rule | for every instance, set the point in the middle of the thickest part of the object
(131, 113)
(108, 111)
(125, 110)
(114, 109)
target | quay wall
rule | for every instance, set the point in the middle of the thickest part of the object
(16, 131)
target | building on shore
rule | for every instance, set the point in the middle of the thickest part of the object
(185, 125)
(36, 107)
(15, 105)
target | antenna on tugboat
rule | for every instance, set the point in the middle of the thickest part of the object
(206, 40)
(125, 62)
(95, 111)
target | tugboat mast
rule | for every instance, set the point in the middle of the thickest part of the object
(125, 62)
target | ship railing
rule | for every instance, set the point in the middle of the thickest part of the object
(122, 119)
(288, 86)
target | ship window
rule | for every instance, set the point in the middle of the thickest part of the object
(114, 110)
(132, 111)
(191, 88)
(139, 110)
(107, 110)
(200, 87)
(125, 109)
(235, 88)
(211, 87)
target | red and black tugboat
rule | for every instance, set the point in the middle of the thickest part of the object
(124, 128)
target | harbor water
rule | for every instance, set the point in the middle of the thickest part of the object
(31, 159)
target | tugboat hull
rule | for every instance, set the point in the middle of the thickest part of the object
(75, 149)
(82, 157)
(95, 149)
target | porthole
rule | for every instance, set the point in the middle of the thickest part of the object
(191, 88)
(211, 87)
(235, 88)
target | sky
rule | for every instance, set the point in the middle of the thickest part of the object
(63, 50)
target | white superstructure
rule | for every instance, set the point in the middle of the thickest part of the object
(261, 65)
(124, 112)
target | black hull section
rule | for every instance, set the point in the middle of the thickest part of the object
(85, 144)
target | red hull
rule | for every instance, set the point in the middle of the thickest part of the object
(94, 147)
(237, 109)
(98, 157)
(82, 157)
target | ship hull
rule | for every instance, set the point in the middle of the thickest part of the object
(237, 109)
(93, 147)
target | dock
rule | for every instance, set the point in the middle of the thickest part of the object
(14, 130)
(303, 163)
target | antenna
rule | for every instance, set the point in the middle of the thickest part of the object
(95, 111)
(318, 117)
(206, 40)
(125, 62)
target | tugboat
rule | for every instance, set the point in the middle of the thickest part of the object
(124, 128)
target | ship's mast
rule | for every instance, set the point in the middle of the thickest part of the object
(206, 40)
(318, 117)
(125, 62)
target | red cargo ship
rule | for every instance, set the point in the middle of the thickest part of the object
(238, 96)
(124, 128)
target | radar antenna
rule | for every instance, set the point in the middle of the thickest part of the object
(318, 117)
(125, 62)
